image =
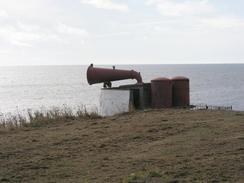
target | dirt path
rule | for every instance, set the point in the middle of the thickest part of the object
(185, 146)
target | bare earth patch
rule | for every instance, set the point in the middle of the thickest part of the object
(183, 145)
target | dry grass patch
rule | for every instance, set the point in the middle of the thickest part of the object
(41, 117)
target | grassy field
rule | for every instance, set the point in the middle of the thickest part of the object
(142, 147)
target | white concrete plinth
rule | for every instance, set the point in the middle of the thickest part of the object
(114, 102)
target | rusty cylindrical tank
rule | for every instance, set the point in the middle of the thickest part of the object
(161, 93)
(101, 75)
(181, 91)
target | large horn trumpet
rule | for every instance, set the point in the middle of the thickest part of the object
(104, 75)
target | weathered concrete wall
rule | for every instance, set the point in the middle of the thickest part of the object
(114, 102)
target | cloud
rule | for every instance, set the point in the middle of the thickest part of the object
(26, 35)
(56, 30)
(198, 14)
(177, 8)
(106, 4)
(223, 22)
(69, 30)
(3, 14)
(17, 36)
(28, 8)
(25, 24)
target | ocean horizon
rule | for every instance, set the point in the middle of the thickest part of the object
(35, 87)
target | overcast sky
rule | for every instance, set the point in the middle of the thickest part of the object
(40, 32)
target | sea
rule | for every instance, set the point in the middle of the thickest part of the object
(25, 88)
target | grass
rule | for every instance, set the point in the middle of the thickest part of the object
(40, 117)
(146, 175)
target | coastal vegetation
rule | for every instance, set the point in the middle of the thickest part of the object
(36, 118)
(153, 146)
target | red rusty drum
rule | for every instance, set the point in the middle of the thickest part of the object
(181, 91)
(161, 92)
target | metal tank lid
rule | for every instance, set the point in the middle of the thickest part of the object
(179, 78)
(161, 79)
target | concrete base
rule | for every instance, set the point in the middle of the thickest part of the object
(124, 99)
(114, 102)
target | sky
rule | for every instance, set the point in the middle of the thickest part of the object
(77, 32)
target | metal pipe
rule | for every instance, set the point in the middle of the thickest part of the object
(105, 75)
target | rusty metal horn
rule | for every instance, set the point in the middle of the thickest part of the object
(105, 75)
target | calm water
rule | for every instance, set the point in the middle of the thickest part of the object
(48, 86)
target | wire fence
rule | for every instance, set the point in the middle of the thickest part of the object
(211, 107)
